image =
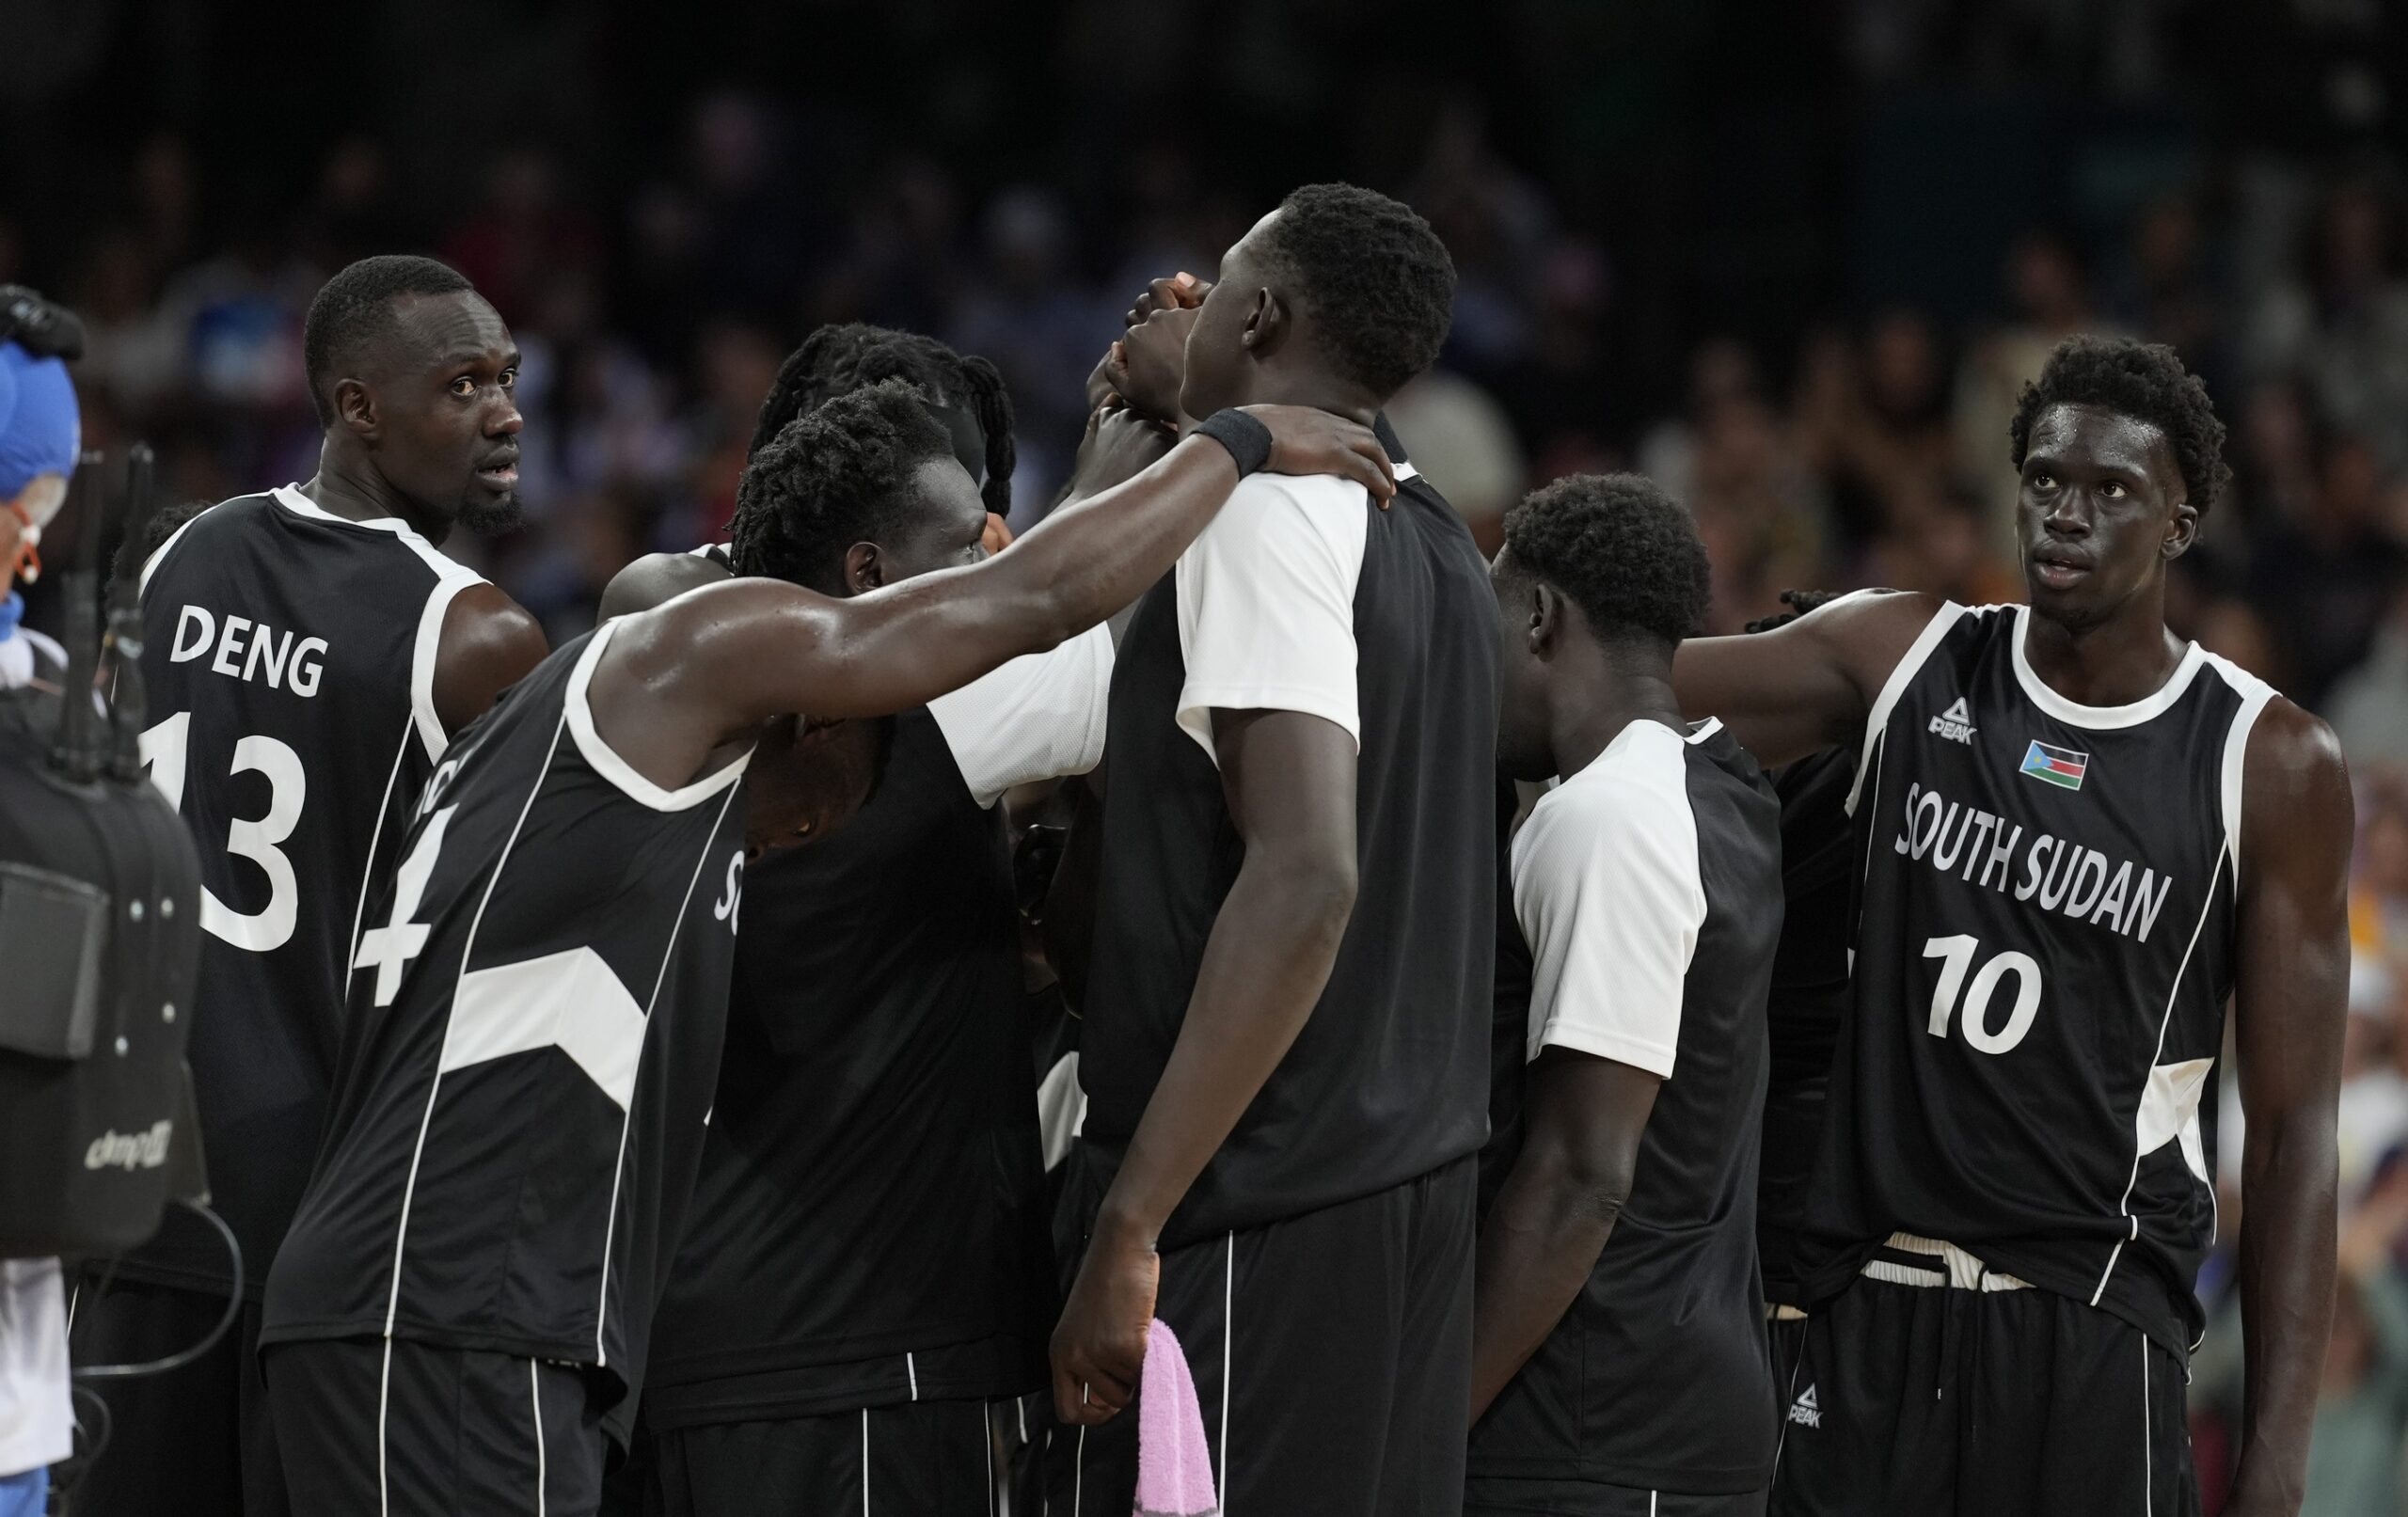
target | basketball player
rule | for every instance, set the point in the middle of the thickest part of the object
(1286, 1013)
(2077, 837)
(460, 1317)
(1619, 1359)
(308, 652)
(867, 1273)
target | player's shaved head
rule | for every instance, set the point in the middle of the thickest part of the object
(355, 311)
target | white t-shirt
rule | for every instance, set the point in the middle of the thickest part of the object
(1266, 603)
(1039, 717)
(1608, 890)
(36, 1398)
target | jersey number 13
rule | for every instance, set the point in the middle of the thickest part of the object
(271, 926)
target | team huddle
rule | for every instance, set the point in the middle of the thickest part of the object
(1530, 1059)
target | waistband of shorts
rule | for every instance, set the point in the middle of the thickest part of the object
(1909, 1260)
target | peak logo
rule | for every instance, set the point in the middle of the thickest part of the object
(1805, 1411)
(130, 1151)
(1955, 723)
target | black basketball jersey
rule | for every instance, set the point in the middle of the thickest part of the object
(870, 1225)
(535, 1030)
(1657, 1377)
(1387, 1080)
(289, 659)
(2044, 949)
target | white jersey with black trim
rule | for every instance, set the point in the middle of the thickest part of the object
(535, 1030)
(289, 666)
(2044, 950)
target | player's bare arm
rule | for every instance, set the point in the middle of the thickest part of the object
(1582, 1119)
(678, 681)
(1290, 779)
(1807, 685)
(489, 643)
(2293, 976)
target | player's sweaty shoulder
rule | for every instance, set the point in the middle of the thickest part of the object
(656, 579)
(2295, 789)
(490, 642)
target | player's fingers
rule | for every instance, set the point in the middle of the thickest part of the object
(1372, 469)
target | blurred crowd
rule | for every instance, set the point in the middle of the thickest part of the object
(1867, 449)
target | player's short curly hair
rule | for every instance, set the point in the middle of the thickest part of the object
(2144, 381)
(1627, 553)
(1376, 278)
(839, 358)
(832, 477)
(356, 307)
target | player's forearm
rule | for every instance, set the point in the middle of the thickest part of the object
(1264, 967)
(1100, 552)
(1537, 1249)
(2289, 1224)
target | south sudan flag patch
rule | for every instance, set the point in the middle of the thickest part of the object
(2060, 766)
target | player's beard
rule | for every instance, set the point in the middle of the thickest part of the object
(490, 515)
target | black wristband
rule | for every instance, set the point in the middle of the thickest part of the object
(1248, 440)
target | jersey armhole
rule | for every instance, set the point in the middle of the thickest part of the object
(2236, 759)
(607, 764)
(1918, 654)
(159, 554)
(424, 656)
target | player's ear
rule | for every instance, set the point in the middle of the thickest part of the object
(1544, 619)
(863, 569)
(2181, 529)
(1266, 323)
(356, 409)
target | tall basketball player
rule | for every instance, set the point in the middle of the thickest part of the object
(867, 1278)
(309, 652)
(460, 1317)
(2078, 837)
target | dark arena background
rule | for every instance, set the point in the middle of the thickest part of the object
(1793, 261)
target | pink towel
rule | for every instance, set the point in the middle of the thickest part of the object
(1174, 1465)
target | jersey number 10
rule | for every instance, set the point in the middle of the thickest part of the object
(288, 785)
(1955, 955)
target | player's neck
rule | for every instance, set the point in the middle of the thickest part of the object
(1304, 387)
(347, 488)
(2125, 659)
(1603, 699)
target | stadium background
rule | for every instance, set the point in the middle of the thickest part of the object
(1794, 260)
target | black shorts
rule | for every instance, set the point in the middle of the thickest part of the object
(1332, 1357)
(1512, 1496)
(416, 1430)
(196, 1441)
(920, 1458)
(1933, 1398)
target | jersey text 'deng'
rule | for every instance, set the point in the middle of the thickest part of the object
(248, 650)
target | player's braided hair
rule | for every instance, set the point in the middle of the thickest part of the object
(2144, 381)
(1378, 281)
(1801, 602)
(1626, 553)
(356, 307)
(831, 478)
(837, 360)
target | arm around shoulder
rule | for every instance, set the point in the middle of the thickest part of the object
(1809, 685)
